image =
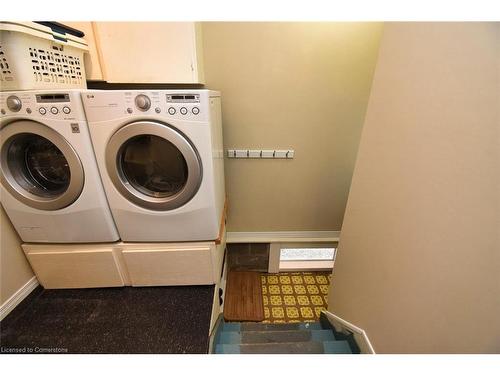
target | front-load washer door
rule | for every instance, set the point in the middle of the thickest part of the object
(153, 165)
(38, 166)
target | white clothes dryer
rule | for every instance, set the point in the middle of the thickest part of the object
(50, 184)
(160, 156)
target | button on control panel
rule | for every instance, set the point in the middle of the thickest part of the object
(185, 111)
(53, 110)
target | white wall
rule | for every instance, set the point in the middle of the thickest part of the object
(418, 267)
(298, 85)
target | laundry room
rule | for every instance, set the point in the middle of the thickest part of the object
(170, 188)
(213, 187)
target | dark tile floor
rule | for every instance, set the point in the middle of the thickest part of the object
(111, 320)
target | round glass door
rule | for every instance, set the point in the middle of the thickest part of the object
(153, 165)
(39, 167)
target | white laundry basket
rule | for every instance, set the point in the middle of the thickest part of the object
(33, 56)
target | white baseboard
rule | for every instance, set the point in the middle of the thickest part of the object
(283, 236)
(360, 336)
(17, 297)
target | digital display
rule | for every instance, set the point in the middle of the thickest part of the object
(52, 98)
(187, 98)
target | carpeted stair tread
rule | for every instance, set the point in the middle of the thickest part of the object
(257, 337)
(308, 347)
(337, 347)
(269, 326)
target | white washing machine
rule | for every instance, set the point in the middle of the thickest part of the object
(50, 184)
(160, 156)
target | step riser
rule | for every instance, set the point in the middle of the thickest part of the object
(295, 348)
(240, 327)
(281, 348)
(328, 347)
(260, 337)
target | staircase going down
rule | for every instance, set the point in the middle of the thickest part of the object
(289, 338)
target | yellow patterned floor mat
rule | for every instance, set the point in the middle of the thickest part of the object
(294, 297)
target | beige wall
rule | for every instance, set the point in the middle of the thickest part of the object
(418, 266)
(14, 268)
(302, 86)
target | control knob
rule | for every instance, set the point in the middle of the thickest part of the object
(14, 103)
(143, 102)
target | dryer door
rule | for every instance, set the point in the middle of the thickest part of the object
(38, 166)
(153, 165)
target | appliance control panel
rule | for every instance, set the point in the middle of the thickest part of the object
(181, 106)
(51, 105)
(166, 105)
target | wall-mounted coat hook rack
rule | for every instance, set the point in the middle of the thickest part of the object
(260, 154)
